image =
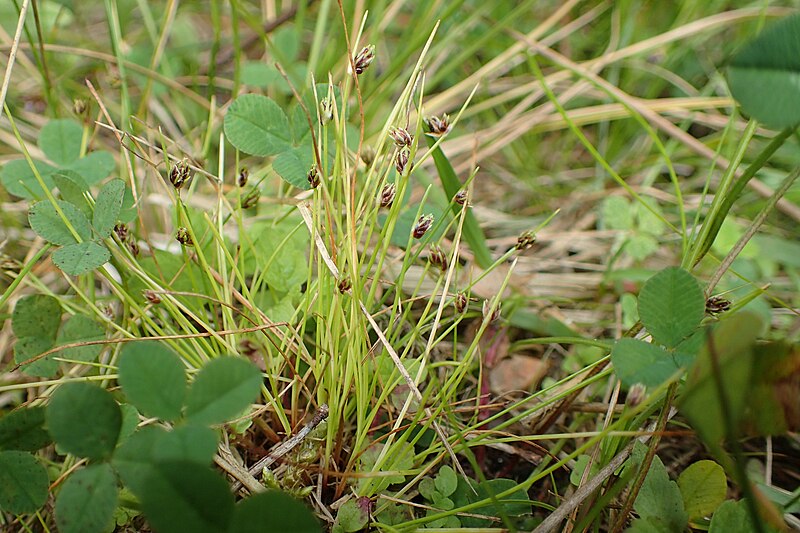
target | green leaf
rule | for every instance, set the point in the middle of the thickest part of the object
(293, 166)
(80, 258)
(260, 74)
(399, 458)
(36, 315)
(280, 260)
(48, 224)
(427, 488)
(71, 186)
(515, 504)
(133, 460)
(636, 361)
(130, 420)
(80, 328)
(446, 480)
(351, 517)
(197, 444)
(129, 211)
(648, 220)
(581, 462)
(256, 125)
(182, 496)
(731, 344)
(732, 516)
(472, 232)
(94, 167)
(153, 378)
(273, 512)
(650, 524)
(23, 429)
(107, 207)
(770, 65)
(641, 246)
(23, 482)
(671, 306)
(29, 347)
(408, 219)
(60, 140)
(703, 488)
(660, 498)
(87, 500)
(35, 321)
(19, 179)
(84, 419)
(221, 390)
(617, 213)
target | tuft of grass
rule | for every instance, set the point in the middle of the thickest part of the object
(587, 140)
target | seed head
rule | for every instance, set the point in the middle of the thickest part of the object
(461, 302)
(525, 241)
(248, 348)
(364, 59)
(401, 160)
(368, 155)
(313, 177)
(151, 297)
(241, 178)
(716, 305)
(80, 106)
(438, 126)
(387, 194)
(121, 231)
(438, 258)
(250, 199)
(108, 311)
(492, 315)
(133, 246)
(461, 198)
(183, 237)
(179, 174)
(344, 285)
(422, 226)
(636, 394)
(325, 111)
(401, 137)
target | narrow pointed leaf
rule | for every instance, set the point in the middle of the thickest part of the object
(472, 232)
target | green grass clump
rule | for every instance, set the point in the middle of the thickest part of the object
(393, 266)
